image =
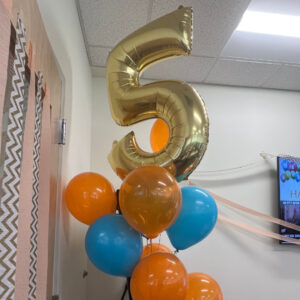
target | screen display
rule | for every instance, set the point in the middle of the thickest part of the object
(289, 194)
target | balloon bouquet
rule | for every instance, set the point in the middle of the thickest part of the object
(150, 200)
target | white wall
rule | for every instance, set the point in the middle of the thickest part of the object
(244, 122)
(64, 32)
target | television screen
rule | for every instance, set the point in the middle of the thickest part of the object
(289, 194)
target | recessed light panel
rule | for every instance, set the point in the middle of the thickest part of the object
(270, 23)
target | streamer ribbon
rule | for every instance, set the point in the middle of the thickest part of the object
(259, 215)
(258, 231)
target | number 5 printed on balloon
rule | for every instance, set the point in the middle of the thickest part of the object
(175, 102)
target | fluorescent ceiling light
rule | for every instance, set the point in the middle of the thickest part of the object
(273, 24)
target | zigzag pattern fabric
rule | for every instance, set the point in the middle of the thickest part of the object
(12, 167)
(36, 179)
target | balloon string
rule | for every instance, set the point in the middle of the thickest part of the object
(263, 155)
(118, 202)
(125, 290)
(228, 170)
(259, 231)
(128, 288)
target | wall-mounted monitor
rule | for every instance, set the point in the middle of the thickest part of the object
(288, 170)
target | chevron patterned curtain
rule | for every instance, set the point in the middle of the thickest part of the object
(27, 75)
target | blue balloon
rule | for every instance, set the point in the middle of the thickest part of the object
(113, 246)
(285, 164)
(298, 177)
(197, 218)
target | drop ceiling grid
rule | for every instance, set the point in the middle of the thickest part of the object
(213, 62)
(241, 73)
(223, 16)
(213, 22)
(98, 52)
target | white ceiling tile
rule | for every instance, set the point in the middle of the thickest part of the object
(193, 69)
(242, 73)
(287, 7)
(255, 46)
(98, 55)
(287, 77)
(245, 59)
(106, 22)
(214, 21)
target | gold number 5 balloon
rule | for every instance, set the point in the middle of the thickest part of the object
(175, 102)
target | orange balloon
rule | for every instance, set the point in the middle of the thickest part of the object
(150, 200)
(90, 196)
(153, 248)
(203, 287)
(121, 173)
(159, 135)
(159, 276)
